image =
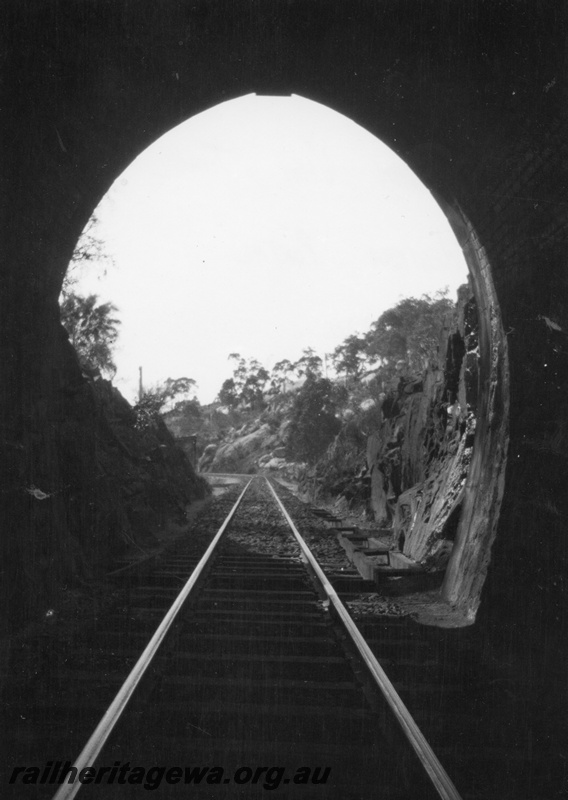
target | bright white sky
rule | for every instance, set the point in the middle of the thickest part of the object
(262, 226)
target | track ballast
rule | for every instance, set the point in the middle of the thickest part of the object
(256, 688)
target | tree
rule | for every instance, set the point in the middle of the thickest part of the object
(350, 356)
(253, 390)
(228, 395)
(410, 331)
(90, 249)
(190, 409)
(92, 329)
(310, 364)
(239, 371)
(280, 375)
(171, 392)
(313, 423)
(156, 399)
(247, 384)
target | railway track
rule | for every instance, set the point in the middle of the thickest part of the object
(259, 683)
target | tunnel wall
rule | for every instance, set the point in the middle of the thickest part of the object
(471, 95)
(483, 492)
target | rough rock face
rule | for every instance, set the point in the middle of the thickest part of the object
(101, 485)
(406, 455)
(419, 456)
(155, 478)
(405, 459)
(242, 453)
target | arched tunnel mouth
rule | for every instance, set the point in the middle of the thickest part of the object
(449, 531)
(473, 101)
(483, 490)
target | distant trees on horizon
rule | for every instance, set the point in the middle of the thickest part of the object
(407, 332)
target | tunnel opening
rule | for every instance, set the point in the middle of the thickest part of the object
(474, 102)
(454, 526)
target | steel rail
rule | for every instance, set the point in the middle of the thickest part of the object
(103, 730)
(436, 772)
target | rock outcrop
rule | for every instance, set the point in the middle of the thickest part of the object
(242, 453)
(102, 485)
(141, 459)
(405, 459)
(419, 457)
